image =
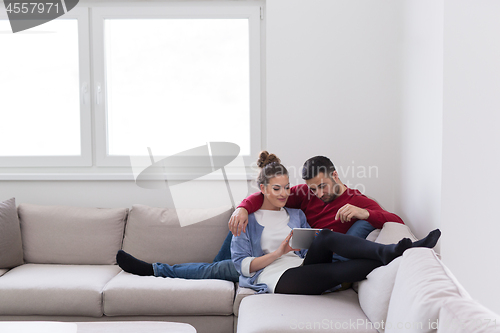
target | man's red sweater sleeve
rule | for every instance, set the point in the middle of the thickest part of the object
(254, 201)
(379, 216)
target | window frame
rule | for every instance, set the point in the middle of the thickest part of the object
(85, 157)
(99, 14)
(86, 167)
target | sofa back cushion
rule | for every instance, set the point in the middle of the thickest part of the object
(155, 234)
(71, 235)
(423, 284)
(11, 247)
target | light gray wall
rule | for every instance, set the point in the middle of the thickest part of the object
(200, 194)
(419, 199)
(332, 88)
(471, 139)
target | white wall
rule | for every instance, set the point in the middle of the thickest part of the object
(419, 197)
(332, 87)
(201, 194)
(471, 140)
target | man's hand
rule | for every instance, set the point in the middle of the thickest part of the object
(238, 221)
(348, 212)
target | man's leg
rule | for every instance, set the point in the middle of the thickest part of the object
(225, 249)
(222, 270)
(361, 229)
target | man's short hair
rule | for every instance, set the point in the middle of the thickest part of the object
(316, 165)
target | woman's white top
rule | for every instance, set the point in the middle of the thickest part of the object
(276, 229)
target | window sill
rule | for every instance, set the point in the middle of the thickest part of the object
(109, 176)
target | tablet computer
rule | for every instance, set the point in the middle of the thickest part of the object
(303, 237)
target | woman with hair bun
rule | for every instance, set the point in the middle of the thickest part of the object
(266, 262)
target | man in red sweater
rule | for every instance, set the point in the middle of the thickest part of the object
(324, 199)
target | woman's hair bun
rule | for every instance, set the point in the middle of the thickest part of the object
(265, 158)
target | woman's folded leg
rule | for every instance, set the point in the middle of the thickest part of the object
(317, 278)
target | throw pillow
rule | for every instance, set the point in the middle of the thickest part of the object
(376, 290)
(375, 293)
(393, 232)
(11, 246)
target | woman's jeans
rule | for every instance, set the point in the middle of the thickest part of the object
(222, 267)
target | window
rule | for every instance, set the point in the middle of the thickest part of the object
(43, 121)
(168, 78)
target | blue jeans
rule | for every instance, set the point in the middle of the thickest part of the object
(221, 268)
(361, 229)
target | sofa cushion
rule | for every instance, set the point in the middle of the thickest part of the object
(372, 236)
(241, 293)
(71, 235)
(63, 290)
(155, 235)
(273, 313)
(463, 315)
(11, 245)
(423, 284)
(393, 232)
(167, 296)
(3, 271)
(375, 293)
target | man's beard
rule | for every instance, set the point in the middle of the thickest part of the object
(326, 198)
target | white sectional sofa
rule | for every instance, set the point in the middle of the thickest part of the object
(65, 270)
(413, 293)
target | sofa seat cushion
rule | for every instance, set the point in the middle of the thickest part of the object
(3, 271)
(273, 313)
(64, 290)
(129, 294)
(241, 293)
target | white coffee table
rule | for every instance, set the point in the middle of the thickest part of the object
(95, 327)
(37, 327)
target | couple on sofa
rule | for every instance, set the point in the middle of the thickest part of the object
(262, 258)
